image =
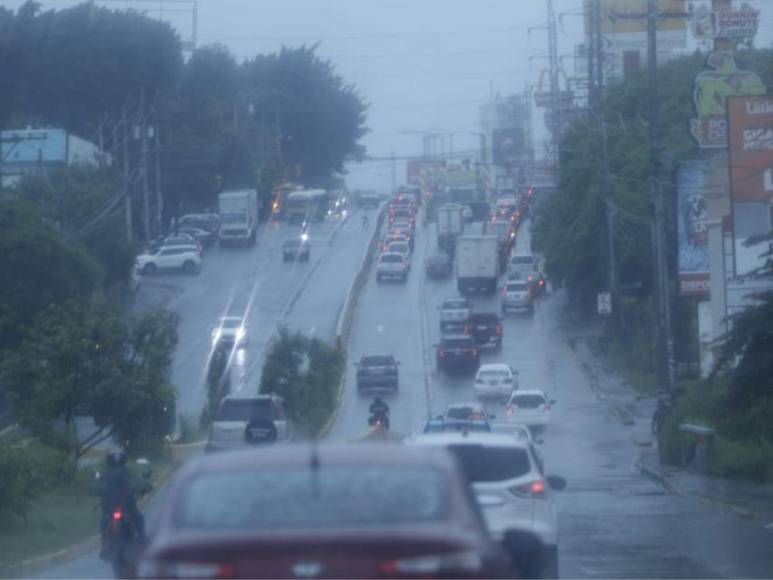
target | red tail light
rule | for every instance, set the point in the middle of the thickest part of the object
(117, 515)
(534, 489)
(509, 410)
(474, 352)
(546, 409)
(466, 329)
(499, 329)
(441, 353)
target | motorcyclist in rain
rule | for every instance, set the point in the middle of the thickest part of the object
(379, 408)
(365, 221)
(117, 489)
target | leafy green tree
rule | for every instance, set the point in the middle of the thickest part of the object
(87, 60)
(37, 268)
(321, 117)
(82, 359)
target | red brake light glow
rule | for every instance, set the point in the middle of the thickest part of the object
(117, 515)
(499, 329)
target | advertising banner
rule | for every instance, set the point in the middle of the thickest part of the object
(711, 90)
(611, 10)
(729, 24)
(692, 228)
(750, 127)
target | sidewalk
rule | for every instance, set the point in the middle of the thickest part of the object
(745, 498)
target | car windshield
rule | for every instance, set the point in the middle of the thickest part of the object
(399, 247)
(377, 361)
(231, 322)
(522, 260)
(455, 304)
(525, 401)
(391, 258)
(333, 496)
(518, 287)
(485, 464)
(245, 410)
(493, 375)
(458, 342)
(463, 412)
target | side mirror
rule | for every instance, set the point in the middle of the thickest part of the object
(397, 362)
(356, 364)
(556, 482)
(552, 401)
(492, 417)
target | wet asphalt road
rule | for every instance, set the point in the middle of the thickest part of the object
(614, 522)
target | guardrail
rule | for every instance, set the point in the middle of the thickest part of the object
(344, 326)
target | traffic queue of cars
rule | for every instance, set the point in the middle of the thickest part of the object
(394, 261)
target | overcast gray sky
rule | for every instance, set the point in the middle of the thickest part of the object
(423, 65)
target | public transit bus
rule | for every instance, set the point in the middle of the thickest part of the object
(306, 205)
(279, 199)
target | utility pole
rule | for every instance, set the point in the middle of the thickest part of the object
(394, 171)
(157, 153)
(593, 18)
(555, 113)
(126, 185)
(144, 168)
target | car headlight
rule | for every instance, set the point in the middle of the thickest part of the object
(304, 237)
(239, 333)
(215, 335)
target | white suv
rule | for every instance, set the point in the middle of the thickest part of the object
(392, 265)
(511, 488)
(249, 421)
(185, 258)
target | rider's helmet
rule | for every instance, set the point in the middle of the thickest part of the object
(116, 458)
(378, 400)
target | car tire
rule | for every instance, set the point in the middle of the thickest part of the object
(189, 267)
(149, 269)
(546, 564)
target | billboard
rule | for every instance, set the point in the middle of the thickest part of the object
(729, 23)
(710, 92)
(750, 140)
(612, 10)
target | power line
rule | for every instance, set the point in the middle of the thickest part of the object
(385, 35)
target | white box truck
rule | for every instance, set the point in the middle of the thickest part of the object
(450, 225)
(477, 264)
(238, 217)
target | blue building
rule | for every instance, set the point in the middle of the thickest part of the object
(28, 151)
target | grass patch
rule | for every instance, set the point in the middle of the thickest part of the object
(740, 459)
(58, 518)
(62, 515)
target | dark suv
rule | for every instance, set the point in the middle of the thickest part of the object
(457, 352)
(486, 328)
(377, 373)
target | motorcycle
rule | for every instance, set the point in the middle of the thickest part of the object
(379, 419)
(120, 542)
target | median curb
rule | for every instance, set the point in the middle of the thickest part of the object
(339, 398)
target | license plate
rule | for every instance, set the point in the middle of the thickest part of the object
(482, 328)
(492, 383)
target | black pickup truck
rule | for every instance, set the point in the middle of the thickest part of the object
(486, 328)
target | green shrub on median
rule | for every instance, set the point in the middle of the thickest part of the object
(306, 372)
